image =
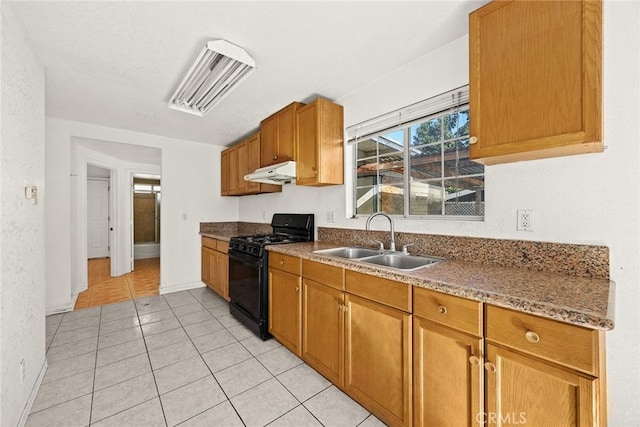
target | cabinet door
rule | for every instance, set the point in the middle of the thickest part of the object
(224, 173)
(269, 136)
(323, 330)
(307, 157)
(287, 133)
(213, 271)
(320, 148)
(234, 173)
(220, 279)
(447, 376)
(252, 162)
(378, 359)
(285, 309)
(242, 168)
(204, 265)
(537, 66)
(525, 390)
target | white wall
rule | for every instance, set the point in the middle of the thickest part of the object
(190, 186)
(590, 199)
(22, 245)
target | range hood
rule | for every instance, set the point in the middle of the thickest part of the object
(279, 174)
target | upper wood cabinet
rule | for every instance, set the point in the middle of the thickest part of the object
(320, 144)
(239, 160)
(535, 80)
(279, 136)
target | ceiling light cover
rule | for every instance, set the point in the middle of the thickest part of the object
(219, 68)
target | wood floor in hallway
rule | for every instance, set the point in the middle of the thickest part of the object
(143, 281)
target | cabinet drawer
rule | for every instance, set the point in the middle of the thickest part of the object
(322, 273)
(222, 246)
(566, 344)
(449, 310)
(284, 262)
(384, 291)
(208, 242)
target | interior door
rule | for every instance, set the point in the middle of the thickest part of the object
(97, 219)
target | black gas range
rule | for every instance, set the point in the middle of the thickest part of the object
(249, 265)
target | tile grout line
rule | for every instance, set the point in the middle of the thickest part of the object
(95, 368)
(164, 415)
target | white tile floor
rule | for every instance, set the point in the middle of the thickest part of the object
(179, 359)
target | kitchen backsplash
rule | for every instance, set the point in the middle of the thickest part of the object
(234, 228)
(577, 260)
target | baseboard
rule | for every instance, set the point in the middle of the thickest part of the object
(62, 308)
(181, 287)
(32, 396)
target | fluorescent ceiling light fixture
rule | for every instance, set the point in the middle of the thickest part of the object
(219, 68)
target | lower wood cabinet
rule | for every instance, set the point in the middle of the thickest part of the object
(285, 301)
(362, 345)
(215, 265)
(448, 376)
(413, 356)
(323, 330)
(529, 391)
(378, 359)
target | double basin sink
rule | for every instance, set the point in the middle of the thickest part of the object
(397, 260)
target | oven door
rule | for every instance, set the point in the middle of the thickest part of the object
(246, 283)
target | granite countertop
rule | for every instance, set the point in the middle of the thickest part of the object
(220, 235)
(577, 300)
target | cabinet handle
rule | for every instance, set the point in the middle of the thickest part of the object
(475, 360)
(532, 337)
(297, 288)
(275, 157)
(442, 309)
(473, 140)
(281, 262)
(490, 367)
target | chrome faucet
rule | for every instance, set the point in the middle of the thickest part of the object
(392, 244)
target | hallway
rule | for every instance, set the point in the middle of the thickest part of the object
(144, 281)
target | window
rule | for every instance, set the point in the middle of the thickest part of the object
(415, 161)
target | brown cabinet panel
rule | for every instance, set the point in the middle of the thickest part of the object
(279, 136)
(326, 274)
(568, 345)
(456, 312)
(448, 376)
(378, 369)
(285, 309)
(320, 148)
(528, 391)
(385, 291)
(323, 330)
(535, 79)
(287, 263)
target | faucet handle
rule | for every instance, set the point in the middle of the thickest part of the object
(405, 249)
(380, 244)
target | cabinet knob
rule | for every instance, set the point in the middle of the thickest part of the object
(442, 309)
(473, 140)
(281, 262)
(275, 157)
(532, 337)
(475, 360)
(490, 367)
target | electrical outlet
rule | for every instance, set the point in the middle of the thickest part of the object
(525, 220)
(331, 216)
(22, 371)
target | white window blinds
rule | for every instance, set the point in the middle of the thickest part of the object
(406, 115)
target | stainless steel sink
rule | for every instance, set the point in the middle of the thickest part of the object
(401, 261)
(349, 252)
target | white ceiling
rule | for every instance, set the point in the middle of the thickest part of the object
(117, 63)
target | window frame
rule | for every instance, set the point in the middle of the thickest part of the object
(438, 108)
